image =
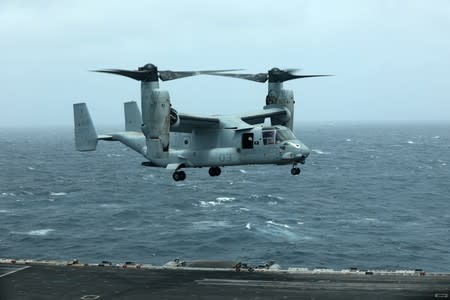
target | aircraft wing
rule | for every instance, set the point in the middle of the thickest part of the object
(189, 122)
(278, 115)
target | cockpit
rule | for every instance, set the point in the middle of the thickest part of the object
(276, 135)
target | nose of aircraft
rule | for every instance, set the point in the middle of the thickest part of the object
(305, 151)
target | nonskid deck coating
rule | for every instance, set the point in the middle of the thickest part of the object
(64, 280)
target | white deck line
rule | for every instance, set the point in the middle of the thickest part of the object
(14, 271)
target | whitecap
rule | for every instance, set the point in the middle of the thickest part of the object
(3, 211)
(248, 226)
(243, 171)
(244, 209)
(348, 140)
(7, 194)
(272, 203)
(225, 199)
(208, 203)
(410, 142)
(57, 194)
(270, 222)
(318, 151)
(30, 168)
(300, 222)
(38, 232)
(219, 201)
(436, 137)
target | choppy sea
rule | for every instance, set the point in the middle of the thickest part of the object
(369, 196)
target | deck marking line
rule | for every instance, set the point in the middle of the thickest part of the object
(14, 271)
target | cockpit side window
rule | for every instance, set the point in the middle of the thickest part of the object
(268, 137)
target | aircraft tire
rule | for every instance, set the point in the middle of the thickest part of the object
(212, 171)
(295, 171)
(182, 175)
(176, 176)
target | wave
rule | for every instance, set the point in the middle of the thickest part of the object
(202, 225)
(270, 222)
(7, 194)
(38, 232)
(318, 151)
(110, 205)
(57, 194)
(218, 201)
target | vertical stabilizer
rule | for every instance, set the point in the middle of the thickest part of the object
(85, 135)
(133, 119)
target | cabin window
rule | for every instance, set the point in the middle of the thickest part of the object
(268, 137)
(247, 140)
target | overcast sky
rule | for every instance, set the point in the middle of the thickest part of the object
(391, 58)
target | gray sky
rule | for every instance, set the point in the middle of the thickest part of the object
(391, 58)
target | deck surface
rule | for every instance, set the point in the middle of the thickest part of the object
(37, 281)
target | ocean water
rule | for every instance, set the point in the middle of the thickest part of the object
(369, 196)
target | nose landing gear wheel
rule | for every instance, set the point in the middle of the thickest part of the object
(214, 171)
(179, 176)
(295, 171)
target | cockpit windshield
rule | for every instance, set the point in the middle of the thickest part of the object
(283, 135)
(273, 136)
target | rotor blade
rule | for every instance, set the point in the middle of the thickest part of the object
(171, 75)
(305, 76)
(137, 75)
(260, 77)
(292, 70)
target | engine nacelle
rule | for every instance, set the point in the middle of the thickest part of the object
(279, 96)
(156, 120)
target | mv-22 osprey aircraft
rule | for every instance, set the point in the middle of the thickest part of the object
(176, 141)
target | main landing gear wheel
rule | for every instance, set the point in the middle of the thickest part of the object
(179, 176)
(295, 171)
(214, 171)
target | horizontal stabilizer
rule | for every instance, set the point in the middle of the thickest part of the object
(85, 135)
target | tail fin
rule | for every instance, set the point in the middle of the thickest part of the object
(133, 118)
(85, 135)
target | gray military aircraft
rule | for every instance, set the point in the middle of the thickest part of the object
(176, 141)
